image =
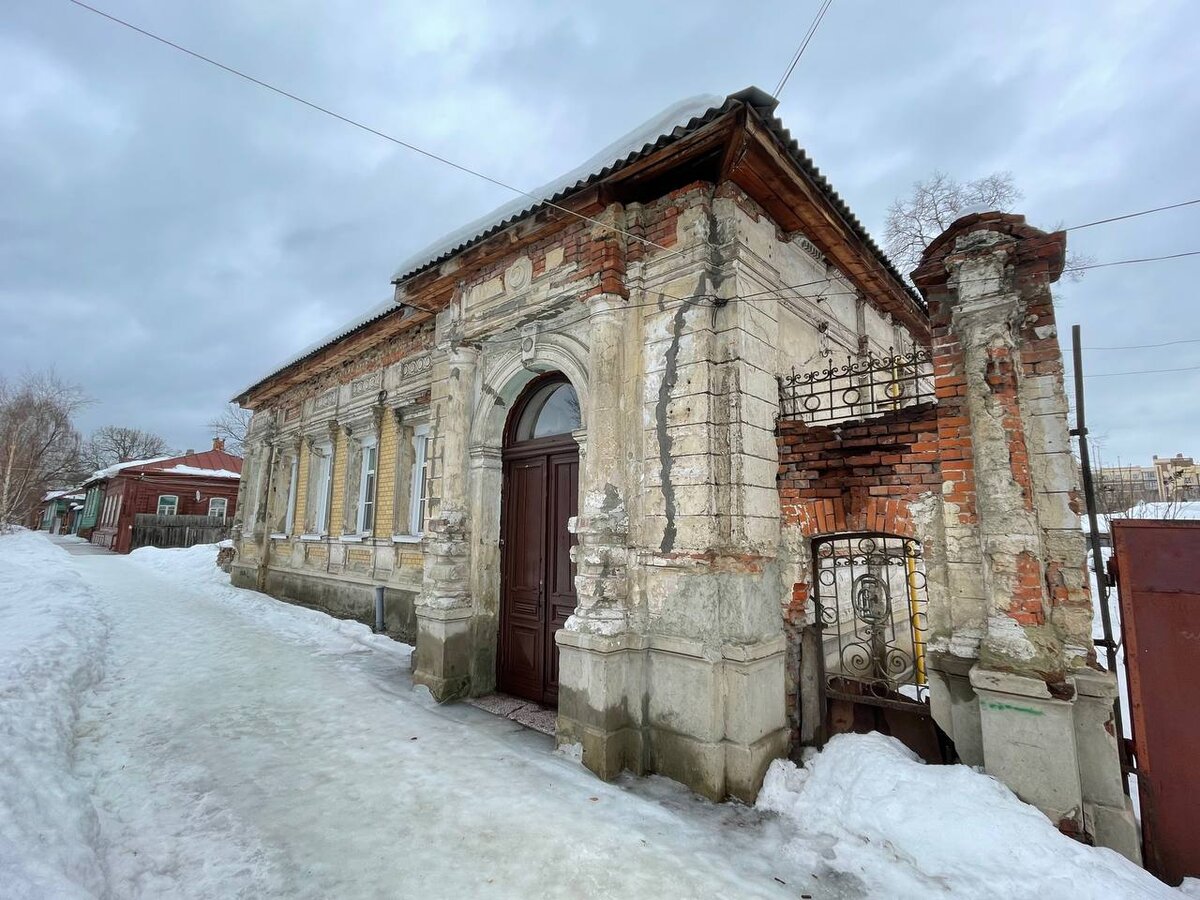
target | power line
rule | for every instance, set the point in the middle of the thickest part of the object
(367, 128)
(1148, 346)
(1144, 212)
(1143, 372)
(1126, 262)
(812, 29)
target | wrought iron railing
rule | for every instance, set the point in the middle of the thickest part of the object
(865, 386)
(871, 609)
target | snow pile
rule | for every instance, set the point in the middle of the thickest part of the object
(196, 567)
(867, 807)
(51, 645)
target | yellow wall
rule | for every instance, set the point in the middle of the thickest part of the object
(338, 506)
(385, 478)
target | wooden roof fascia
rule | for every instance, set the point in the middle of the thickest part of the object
(796, 203)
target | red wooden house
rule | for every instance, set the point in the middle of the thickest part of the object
(196, 484)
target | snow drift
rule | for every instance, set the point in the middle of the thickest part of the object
(869, 808)
(51, 648)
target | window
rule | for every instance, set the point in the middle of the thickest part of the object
(366, 488)
(419, 489)
(553, 410)
(168, 504)
(217, 507)
(293, 482)
(323, 467)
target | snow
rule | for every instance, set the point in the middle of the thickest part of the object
(1178, 509)
(112, 470)
(51, 634)
(871, 810)
(167, 734)
(674, 116)
(181, 469)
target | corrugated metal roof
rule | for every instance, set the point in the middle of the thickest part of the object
(676, 122)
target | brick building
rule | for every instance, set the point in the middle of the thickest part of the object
(601, 452)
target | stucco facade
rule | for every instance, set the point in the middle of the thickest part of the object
(670, 288)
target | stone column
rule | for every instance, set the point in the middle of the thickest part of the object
(444, 609)
(600, 660)
(1019, 614)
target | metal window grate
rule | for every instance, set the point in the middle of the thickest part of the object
(863, 387)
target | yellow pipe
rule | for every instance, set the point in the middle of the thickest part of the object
(914, 609)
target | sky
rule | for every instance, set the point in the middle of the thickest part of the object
(168, 232)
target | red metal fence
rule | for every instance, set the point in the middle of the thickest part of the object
(1158, 578)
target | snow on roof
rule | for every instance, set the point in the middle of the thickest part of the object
(67, 494)
(632, 144)
(194, 470)
(110, 471)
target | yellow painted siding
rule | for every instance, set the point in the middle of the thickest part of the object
(301, 491)
(337, 512)
(386, 478)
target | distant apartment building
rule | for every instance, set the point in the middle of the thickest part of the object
(1167, 478)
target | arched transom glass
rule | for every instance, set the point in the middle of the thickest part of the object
(553, 409)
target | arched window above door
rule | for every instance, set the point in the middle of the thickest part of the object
(552, 409)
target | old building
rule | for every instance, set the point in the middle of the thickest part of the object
(564, 450)
(203, 486)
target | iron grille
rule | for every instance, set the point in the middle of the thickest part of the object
(864, 386)
(871, 609)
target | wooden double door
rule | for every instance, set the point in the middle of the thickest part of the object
(537, 590)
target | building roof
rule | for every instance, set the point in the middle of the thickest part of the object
(110, 471)
(207, 464)
(68, 494)
(676, 122)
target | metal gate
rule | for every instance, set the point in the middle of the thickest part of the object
(872, 625)
(1158, 579)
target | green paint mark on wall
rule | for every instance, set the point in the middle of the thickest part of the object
(991, 704)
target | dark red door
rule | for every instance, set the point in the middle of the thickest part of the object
(537, 591)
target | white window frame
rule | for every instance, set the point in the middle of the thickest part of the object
(369, 450)
(418, 484)
(174, 506)
(224, 501)
(324, 484)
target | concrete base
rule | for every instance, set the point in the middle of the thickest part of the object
(442, 659)
(657, 705)
(1108, 812)
(601, 683)
(954, 704)
(1029, 744)
(342, 597)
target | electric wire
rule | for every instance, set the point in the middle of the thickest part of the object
(367, 128)
(812, 29)
(1144, 212)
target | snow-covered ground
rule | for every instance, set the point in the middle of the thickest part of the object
(167, 735)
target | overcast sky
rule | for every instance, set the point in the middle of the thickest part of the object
(169, 232)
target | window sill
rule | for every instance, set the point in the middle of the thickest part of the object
(279, 537)
(313, 537)
(352, 538)
(407, 538)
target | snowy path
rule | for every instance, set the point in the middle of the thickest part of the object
(167, 735)
(235, 754)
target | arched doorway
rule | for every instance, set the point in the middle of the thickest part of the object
(540, 493)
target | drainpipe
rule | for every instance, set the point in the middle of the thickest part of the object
(380, 625)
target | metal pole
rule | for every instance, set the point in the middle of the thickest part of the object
(380, 626)
(1089, 494)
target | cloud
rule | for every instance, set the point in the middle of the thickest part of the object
(170, 232)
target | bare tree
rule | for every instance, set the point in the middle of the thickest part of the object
(115, 443)
(39, 446)
(231, 426)
(937, 202)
